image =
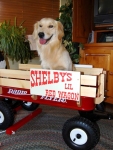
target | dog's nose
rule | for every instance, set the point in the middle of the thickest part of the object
(41, 34)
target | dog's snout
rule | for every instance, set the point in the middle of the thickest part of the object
(41, 34)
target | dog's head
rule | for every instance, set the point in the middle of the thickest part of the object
(48, 29)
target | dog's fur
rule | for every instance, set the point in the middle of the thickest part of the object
(48, 34)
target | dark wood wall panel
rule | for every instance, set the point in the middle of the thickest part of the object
(28, 10)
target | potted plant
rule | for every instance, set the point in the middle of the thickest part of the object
(66, 20)
(13, 42)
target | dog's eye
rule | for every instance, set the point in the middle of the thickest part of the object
(50, 26)
(40, 25)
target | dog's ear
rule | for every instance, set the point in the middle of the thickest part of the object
(60, 30)
(35, 29)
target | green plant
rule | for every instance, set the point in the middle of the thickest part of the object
(13, 42)
(66, 20)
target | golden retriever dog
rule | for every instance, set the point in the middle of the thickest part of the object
(48, 35)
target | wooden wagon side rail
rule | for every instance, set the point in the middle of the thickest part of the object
(21, 79)
(99, 74)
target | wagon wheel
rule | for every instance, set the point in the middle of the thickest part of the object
(6, 115)
(12, 102)
(100, 107)
(80, 133)
(29, 105)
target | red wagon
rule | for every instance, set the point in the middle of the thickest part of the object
(80, 132)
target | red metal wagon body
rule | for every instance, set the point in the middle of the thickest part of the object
(78, 132)
(24, 95)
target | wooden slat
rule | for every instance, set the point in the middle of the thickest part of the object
(86, 71)
(88, 80)
(88, 91)
(15, 83)
(8, 73)
(90, 71)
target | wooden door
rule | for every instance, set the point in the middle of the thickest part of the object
(82, 20)
(99, 57)
(98, 60)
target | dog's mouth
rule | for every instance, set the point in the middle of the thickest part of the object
(44, 41)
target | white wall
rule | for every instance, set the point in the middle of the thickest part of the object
(62, 2)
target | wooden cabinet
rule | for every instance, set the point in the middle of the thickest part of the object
(100, 55)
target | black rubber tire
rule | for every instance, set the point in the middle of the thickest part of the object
(100, 107)
(29, 106)
(80, 133)
(6, 115)
(12, 102)
(8, 101)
